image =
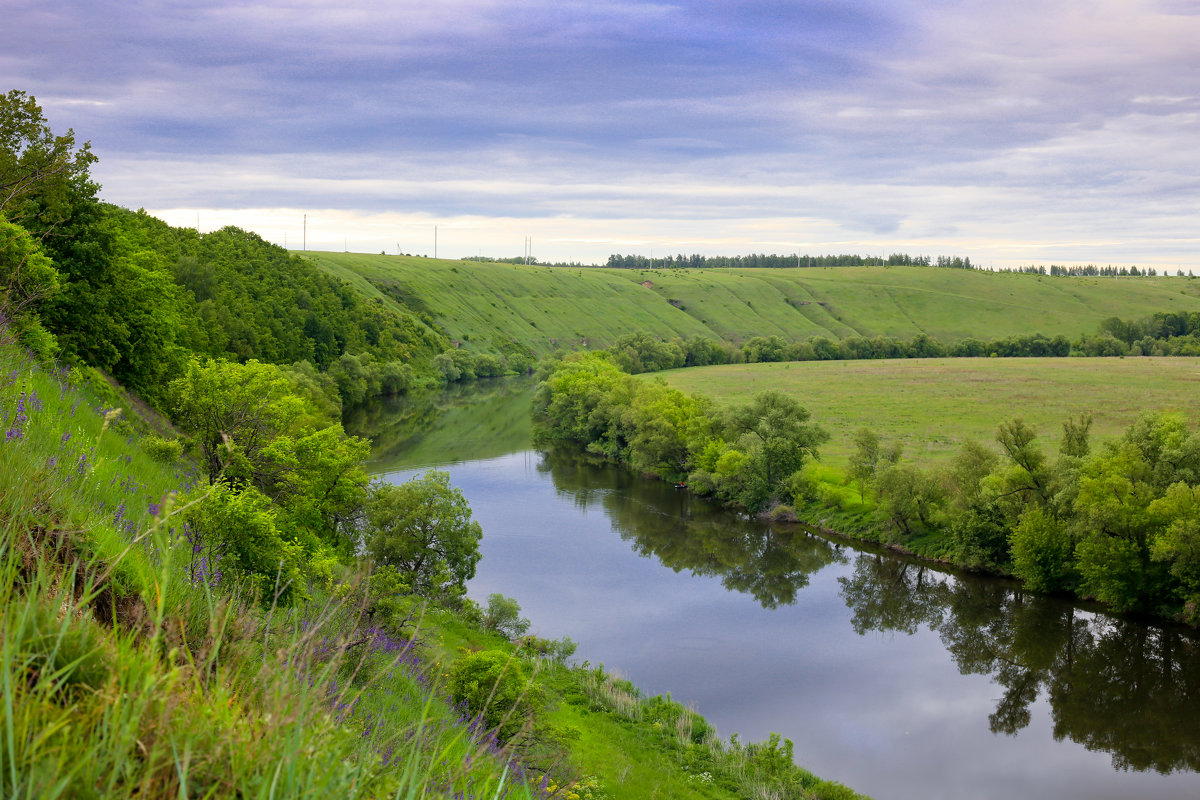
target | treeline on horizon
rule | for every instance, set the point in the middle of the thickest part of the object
(1167, 333)
(796, 260)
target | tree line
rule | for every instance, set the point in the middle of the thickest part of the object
(1119, 523)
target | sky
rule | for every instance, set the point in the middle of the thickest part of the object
(1013, 133)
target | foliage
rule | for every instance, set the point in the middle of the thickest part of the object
(234, 535)
(494, 687)
(423, 528)
(1042, 550)
(37, 167)
(235, 412)
(503, 615)
(745, 456)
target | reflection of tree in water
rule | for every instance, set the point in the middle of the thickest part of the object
(466, 421)
(685, 532)
(1114, 685)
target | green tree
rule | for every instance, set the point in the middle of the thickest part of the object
(27, 277)
(776, 434)
(503, 615)
(869, 457)
(1178, 542)
(1042, 552)
(235, 412)
(423, 528)
(1113, 507)
(235, 536)
(36, 166)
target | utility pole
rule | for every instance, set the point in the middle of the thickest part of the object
(304, 241)
(435, 241)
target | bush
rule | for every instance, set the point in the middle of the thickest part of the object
(164, 451)
(493, 687)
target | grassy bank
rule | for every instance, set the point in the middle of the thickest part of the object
(544, 308)
(127, 668)
(931, 406)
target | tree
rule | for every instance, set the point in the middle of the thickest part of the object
(27, 276)
(503, 615)
(868, 457)
(774, 431)
(1075, 436)
(235, 411)
(1042, 550)
(424, 529)
(35, 162)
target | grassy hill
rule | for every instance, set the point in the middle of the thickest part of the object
(488, 305)
(932, 405)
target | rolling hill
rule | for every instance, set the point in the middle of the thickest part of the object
(488, 306)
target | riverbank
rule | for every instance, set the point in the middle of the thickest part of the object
(1113, 521)
(130, 665)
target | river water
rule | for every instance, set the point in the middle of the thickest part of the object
(896, 679)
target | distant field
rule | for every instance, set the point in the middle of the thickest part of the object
(932, 405)
(548, 307)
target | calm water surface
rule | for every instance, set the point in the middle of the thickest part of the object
(898, 680)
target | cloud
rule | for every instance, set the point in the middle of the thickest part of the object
(906, 121)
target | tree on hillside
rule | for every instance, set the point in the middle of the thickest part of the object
(423, 528)
(34, 163)
(235, 411)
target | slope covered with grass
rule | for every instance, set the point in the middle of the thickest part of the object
(487, 306)
(128, 667)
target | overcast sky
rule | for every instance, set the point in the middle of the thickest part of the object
(1016, 132)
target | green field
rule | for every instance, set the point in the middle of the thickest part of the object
(484, 305)
(931, 405)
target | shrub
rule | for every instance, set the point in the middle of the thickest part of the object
(493, 687)
(164, 451)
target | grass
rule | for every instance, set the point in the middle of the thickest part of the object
(932, 405)
(486, 305)
(121, 676)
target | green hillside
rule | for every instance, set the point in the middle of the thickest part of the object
(488, 305)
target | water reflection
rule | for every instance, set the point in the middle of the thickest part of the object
(769, 563)
(1115, 685)
(485, 419)
(1124, 689)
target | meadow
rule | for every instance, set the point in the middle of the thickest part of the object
(487, 305)
(932, 405)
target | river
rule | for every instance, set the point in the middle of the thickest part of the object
(897, 679)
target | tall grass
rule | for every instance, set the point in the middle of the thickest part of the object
(124, 674)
